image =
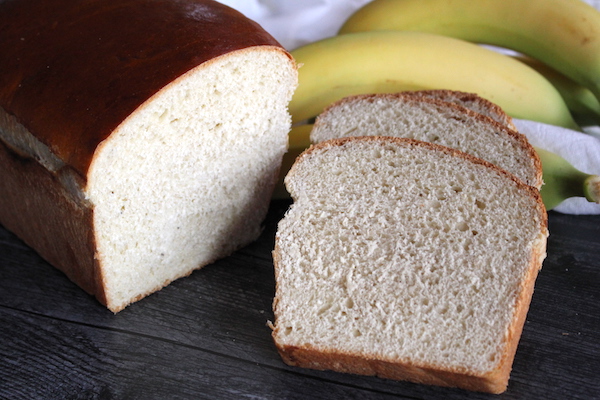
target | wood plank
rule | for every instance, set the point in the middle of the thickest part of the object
(58, 359)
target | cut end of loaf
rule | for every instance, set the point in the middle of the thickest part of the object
(187, 178)
(405, 260)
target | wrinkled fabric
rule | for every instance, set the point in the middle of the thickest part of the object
(295, 23)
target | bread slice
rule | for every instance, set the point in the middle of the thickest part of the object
(471, 101)
(432, 120)
(406, 260)
(139, 140)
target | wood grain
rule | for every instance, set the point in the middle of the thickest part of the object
(205, 336)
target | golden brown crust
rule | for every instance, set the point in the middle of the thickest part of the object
(71, 71)
(519, 138)
(307, 357)
(494, 381)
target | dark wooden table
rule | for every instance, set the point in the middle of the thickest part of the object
(206, 336)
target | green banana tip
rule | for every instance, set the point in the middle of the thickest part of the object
(592, 188)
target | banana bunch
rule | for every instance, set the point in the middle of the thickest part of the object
(394, 61)
(401, 45)
(563, 34)
(561, 179)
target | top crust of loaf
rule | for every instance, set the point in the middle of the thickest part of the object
(307, 257)
(524, 153)
(71, 72)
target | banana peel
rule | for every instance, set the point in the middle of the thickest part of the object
(394, 61)
(564, 34)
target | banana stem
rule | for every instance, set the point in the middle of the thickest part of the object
(562, 181)
(592, 188)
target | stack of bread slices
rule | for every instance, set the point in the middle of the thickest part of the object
(412, 246)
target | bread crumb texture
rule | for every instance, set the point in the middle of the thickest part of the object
(403, 253)
(188, 177)
(404, 115)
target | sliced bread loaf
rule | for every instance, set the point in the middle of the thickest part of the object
(139, 139)
(406, 260)
(423, 117)
(471, 101)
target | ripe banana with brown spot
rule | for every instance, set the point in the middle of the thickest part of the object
(379, 62)
(565, 34)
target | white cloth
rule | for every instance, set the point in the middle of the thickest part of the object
(295, 23)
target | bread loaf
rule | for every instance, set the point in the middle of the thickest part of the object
(423, 116)
(406, 260)
(140, 139)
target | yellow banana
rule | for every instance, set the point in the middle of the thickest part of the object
(582, 103)
(561, 179)
(564, 34)
(376, 62)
